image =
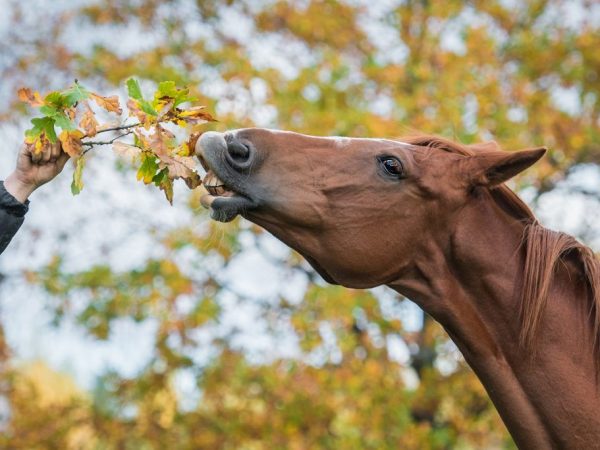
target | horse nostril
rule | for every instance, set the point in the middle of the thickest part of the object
(238, 151)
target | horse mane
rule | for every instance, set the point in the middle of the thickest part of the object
(544, 250)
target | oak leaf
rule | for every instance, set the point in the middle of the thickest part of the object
(89, 123)
(135, 110)
(77, 183)
(196, 114)
(71, 142)
(28, 96)
(127, 151)
(111, 104)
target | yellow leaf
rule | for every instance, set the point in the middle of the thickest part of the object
(196, 115)
(71, 142)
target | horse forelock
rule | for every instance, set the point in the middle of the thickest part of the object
(544, 249)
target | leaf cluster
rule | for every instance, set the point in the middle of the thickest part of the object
(68, 117)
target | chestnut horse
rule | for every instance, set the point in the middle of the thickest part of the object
(433, 220)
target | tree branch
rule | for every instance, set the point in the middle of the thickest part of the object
(120, 127)
(91, 144)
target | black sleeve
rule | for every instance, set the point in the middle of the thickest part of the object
(12, 214)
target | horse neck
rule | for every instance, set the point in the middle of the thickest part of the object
(471, 281)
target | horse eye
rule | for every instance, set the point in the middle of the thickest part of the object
(392, 166)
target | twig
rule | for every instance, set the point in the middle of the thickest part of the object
(120, 127)
(90, 144)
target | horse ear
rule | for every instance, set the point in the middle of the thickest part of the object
(495, 167)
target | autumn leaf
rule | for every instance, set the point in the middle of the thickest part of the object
(165, 183)
(127, 151)
(40, 143)
(77, 183)
(193, 181)
(89, 123)
(164, 108)
(179, 166)
(41, 125)
(28, 96)
(192, 141)
(135, 110)
(162, 159)
(148, 169)
(71, 142)
(161, 141)
(196, 114)
(111, 104)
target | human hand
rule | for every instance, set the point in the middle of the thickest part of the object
(34, 170)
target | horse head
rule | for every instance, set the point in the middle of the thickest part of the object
(359, 210)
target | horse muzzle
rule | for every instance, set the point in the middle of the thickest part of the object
(227, 162)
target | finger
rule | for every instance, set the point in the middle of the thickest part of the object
(27, 150)
(36, 157)
(56, 151)
(61, 161)
(46, 155)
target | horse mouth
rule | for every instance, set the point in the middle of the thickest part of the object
(223, 200)
(216, 187)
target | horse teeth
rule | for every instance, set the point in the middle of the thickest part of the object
(211, 180)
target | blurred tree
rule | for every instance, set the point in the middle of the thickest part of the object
(522, 73)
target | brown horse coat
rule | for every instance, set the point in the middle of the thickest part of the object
(433, 220)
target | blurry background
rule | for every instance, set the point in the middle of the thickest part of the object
(130, 324)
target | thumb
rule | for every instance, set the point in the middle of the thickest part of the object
(61, 161)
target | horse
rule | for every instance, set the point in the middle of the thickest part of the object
(433, 220)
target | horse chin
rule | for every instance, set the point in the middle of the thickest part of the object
(225, 209)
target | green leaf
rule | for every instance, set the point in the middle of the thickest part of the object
(75, 94)
(77, 184)
(63, 121)
(42, 125)
(147, 170)
(166, 89)
(170, 90)
(49, 111)
(162, 180)
(147, 108)
(55, 99)
(160, 177)
(134, 90)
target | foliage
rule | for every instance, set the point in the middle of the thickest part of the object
(159, 157)
(516, 72)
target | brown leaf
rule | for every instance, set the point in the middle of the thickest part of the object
(110, 104)
(71, 112)
(192, 141)
(180, 167)
(193, 181)
(28, 96)
(89, 123)
(71, 142)
(128, 151)
(141, 137)
(161, 141)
